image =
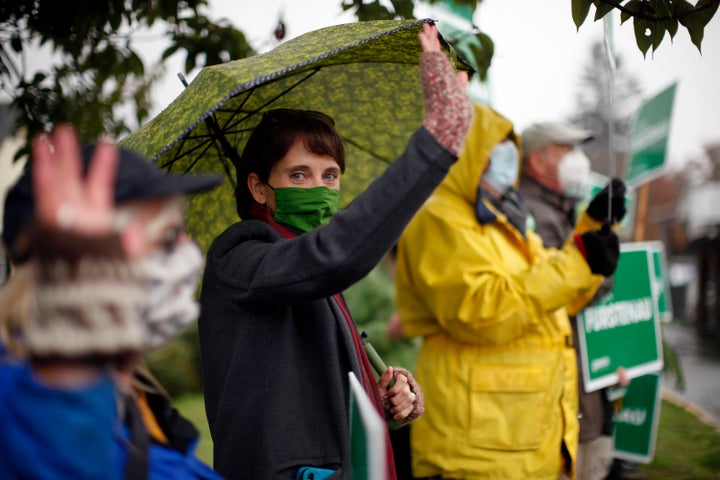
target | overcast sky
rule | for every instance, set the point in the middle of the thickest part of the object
(538, 58)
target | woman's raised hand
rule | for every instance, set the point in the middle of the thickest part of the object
(429, 38)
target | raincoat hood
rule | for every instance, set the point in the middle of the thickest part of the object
(489, 128)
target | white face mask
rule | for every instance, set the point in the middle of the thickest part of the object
(504, 163)
(573, 173)
(171, 282)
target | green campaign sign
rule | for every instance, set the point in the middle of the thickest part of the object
(635, 425)
(623, 328)
(367, 435)
(661, 286)
(649, 136)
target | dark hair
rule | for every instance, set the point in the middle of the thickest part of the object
(271, 140)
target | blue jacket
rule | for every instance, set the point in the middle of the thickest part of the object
(54, 434)
(50, 433)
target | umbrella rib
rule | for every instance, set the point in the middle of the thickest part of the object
(367, 150)
(191, 150)
(226, 167)
(204, 147)
(198, 157)
(227, 149)
(234, 113)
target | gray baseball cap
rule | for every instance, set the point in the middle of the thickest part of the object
(538, 135)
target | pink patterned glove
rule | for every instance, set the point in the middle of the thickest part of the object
(448, 110)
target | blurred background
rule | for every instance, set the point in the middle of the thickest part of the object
(111, 66)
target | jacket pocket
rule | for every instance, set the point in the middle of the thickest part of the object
(509, 406)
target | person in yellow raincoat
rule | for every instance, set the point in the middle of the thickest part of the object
(497, 362)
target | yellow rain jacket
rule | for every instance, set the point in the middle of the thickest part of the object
(497, 363)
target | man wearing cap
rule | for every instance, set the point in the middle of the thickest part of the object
(555, 174)
(554, 179)
(104, 272)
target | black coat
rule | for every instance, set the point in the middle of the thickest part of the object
(276, 350)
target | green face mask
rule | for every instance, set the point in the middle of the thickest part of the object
(303, 209)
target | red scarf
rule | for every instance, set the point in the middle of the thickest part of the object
(260, 212)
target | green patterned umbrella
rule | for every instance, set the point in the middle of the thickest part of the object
(365, 75)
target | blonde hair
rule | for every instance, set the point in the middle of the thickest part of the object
(16, 298)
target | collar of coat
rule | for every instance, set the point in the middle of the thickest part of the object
(511, 204)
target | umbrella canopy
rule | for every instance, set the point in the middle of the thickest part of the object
(365, 75)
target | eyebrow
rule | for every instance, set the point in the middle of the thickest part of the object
(295, 167)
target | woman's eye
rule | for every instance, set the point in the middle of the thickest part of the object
(297, 176)
(331, 177)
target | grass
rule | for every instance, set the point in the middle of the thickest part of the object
(193, 408)
(686, 449)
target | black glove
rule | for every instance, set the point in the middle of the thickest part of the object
(598, 208)
(601, 249)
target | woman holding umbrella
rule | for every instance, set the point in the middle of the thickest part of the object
(276, 337)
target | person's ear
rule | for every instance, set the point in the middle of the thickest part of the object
(533, 162)
(257, 189)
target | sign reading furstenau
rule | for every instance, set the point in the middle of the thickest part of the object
(623, 328)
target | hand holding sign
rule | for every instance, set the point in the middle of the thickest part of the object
(601, 249)
(609, 203)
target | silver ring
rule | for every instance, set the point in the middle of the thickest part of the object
(65, 216)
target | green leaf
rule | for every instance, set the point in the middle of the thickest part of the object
(671, 26)
(190, 61)
(23, 152)
(705, 10)
(697, 32)
(662, 8)
(658, 33)
(602, 9)
(680, 8)
(696, 19)
(371, 11)
(115, 22)
(483, 54)
(169, 51)
(404, 8)
(634, 6)
(643, 34)
(135, 64)
(347, 5)
(580, 10)
(16, 43)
